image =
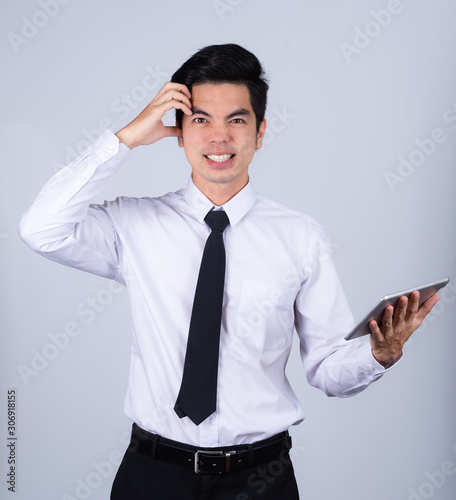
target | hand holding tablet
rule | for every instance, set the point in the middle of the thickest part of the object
(426, 291)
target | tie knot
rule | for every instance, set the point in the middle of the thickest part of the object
(217, 219)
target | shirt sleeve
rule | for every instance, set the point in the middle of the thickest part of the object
(322, 319)
(62, 225)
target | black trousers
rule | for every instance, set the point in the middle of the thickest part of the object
(141, 477)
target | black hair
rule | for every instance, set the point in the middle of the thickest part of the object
(228, 63)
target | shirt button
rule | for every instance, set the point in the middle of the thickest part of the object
(110, 149)
(119, 157)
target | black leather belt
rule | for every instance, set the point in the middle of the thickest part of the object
(211, 460)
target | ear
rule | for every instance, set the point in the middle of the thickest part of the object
(180, 139)
(260, 134)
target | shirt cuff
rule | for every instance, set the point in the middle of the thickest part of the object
(107, 145)
(104, 157)
(374, 365)
(392, 363)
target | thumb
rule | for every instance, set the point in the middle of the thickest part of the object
(172, 131)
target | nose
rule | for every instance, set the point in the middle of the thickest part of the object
(219, 134)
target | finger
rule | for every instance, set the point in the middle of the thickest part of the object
(178, 96)
(173, 96)
(414, 301)
(400, 309)
(375, 329)
(426, 308)
(413, 305)
(178, 87)
(183, 89)
(174, 103)
(387, 320)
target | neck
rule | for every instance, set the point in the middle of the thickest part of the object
(219, 193)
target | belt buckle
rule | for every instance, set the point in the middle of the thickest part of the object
(213, 452)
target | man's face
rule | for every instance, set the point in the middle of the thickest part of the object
(220, 137)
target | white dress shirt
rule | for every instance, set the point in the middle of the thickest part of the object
(279, 277)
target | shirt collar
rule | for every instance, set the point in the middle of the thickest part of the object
(235, 208)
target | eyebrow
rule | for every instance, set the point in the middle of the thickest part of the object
(237, 112)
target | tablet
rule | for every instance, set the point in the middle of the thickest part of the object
(426, 291)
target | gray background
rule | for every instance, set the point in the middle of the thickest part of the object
(340, 119)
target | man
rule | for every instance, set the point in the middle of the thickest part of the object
(218, 429)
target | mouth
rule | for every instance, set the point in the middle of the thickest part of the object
(220, 161)
(219, 158)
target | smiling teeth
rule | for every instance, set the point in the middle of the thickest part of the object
(220, 158)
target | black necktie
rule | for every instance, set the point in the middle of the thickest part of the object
(198, 391)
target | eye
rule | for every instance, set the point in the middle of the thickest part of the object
(199, 120)
(237, 120)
